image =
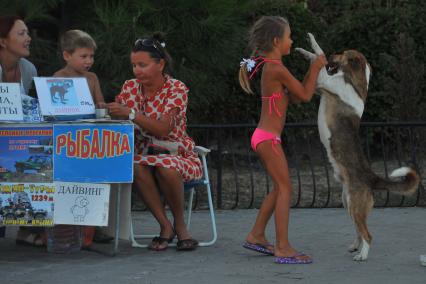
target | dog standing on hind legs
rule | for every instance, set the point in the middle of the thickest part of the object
(343, 86)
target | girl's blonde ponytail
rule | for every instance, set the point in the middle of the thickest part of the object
(244, 79)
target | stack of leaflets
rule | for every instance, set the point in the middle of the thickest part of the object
(31, 109)
(16, 106)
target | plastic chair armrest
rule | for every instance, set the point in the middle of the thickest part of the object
(201, 150)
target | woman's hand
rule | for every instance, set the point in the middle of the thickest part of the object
(118, 111)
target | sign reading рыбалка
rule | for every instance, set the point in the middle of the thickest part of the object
(93, 153)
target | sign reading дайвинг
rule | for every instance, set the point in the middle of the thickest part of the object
(89, 153)
(82, 204)
(10, 102)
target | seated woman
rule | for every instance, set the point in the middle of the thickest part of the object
(14, 68)
(14, 46)
(164, 153)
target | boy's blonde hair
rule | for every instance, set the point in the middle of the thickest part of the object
(261, 39)
(73, 39)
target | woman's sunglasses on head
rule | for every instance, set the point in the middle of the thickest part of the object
(148, 42)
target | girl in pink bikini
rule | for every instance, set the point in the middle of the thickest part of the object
(270, 40)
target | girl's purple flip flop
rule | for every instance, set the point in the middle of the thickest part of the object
(259, 248)
(292, 259)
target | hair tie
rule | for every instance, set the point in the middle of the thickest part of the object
(249, 63)
(253, 64)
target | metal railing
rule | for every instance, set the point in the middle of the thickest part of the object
(239, 180)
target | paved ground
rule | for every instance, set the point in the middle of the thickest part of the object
(399, 238)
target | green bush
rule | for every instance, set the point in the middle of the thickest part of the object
(207, 40)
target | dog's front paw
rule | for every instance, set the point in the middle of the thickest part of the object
(315, 46)
(308, 55)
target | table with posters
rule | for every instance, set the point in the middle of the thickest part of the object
(62, 173)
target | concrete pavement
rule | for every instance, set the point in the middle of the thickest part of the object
(399, 237)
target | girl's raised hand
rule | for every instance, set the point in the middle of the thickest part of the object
(320, 61)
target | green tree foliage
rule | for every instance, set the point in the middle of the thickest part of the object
(407, 99)
(207, 40)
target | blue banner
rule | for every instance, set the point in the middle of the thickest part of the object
(101, 153)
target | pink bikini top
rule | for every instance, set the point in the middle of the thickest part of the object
(275, 96)
(272, 102)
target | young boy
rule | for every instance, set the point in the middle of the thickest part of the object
(78, 50)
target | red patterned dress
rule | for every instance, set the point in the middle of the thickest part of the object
(173, 94)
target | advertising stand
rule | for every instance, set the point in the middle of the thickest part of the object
(74, 163)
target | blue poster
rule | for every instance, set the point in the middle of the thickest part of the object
(89, 153)
(26, 153)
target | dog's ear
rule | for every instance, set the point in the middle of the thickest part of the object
(355, 63)
(355, 73)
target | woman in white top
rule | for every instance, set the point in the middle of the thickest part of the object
(14, 68)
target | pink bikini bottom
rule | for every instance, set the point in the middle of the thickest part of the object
(261, 135)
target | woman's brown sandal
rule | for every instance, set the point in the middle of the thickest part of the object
(157, 242)
(187, 244)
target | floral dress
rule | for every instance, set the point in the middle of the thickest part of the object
(172, 95)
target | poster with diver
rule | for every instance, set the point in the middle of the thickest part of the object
(26, 204)
(82, 204)
(64, 98)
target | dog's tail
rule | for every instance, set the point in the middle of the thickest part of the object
(406, 186)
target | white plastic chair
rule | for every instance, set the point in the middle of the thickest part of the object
(202, 152)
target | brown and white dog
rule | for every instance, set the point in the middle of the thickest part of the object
(343, 86)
